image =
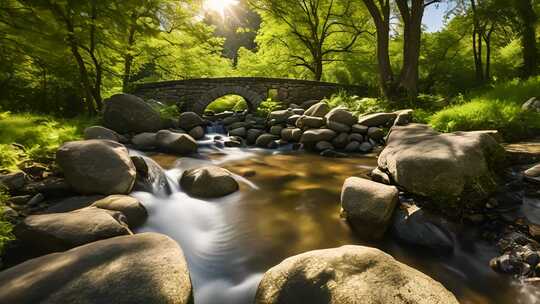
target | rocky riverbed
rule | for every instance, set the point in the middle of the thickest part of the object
(238, 216)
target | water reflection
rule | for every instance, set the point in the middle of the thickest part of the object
(288, 203)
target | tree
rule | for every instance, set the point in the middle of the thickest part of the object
(527, 20)
(324, 28)
(411, 13)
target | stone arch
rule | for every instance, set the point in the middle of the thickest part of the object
(253, 99)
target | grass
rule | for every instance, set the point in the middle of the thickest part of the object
(497, 107)
(35, 137)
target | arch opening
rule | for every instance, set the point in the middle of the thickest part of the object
(230, 102)
(252, 98)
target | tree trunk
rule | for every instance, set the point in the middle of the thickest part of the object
(528, 36)
(477, 45)
(412, 32)
(381, 18)
(128, 59)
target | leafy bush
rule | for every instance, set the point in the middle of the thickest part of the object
(268, 106)
(359, 106)
(228, 103)
(37, 137)
(169, 112)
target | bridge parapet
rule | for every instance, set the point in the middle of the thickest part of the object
(196, 94)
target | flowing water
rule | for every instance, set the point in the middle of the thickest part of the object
(288, 203)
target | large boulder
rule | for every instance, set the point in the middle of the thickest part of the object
(377, 119)
(319, 109)
(189, 120)
(264, 140)
(420, 228)
(129, 206)
(144, 141)
(150, 177)
(451, 169)
(368, 206)
(348, 275)
(178, 143)
(147, 268)
(291, 134)
(99, 132)
(125, 113)
(97, 166)
(208, 182)
(13, 181)
(61, 231)
(342, 116)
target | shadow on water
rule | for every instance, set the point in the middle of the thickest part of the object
(288, 203)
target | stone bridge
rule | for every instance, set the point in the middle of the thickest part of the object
(196, 94)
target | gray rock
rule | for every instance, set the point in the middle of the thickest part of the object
(365, 147)
(298, 111)
(368, 206)
(241, 132)
(404, 117)
(280, 116)
(309, 122)
(380, 177)
(353, 146)
(319, 109)
(341, 141)
(532, 105)
(415, 226)
(182, 144)
(97, 167)
(377, 119)
(347, 275)
(276, 130)
(103, 272)
(323, 145)
(72, 203)
(293, 119)
(375, 133)
(316, 135)
(197, 132)
(338, 127)
(356, 137)
(264, 140)
(150, 177)
(208, 182)
(98, 132)
(129, 206)
(291, 134)
(14, 181)
(450, 169)
(361, 129)
(144, 141)
(252, 135)
(61, 231)
(189, 120)
(125, 113)
(342, 116)
(533, 174)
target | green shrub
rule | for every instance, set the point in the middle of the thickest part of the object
(268, 106)
(228, 103)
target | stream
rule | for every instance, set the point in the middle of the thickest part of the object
(288, 203)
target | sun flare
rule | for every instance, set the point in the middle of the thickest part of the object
(219, 6)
